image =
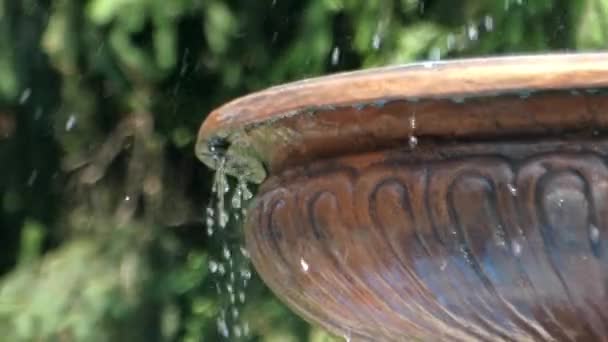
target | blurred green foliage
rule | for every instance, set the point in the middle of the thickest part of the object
(102, 232)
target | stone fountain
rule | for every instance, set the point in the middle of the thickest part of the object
(444, 201)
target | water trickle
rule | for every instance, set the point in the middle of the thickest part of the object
(230, 266)
(413, 140)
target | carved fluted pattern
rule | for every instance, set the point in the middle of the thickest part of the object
(485, 242)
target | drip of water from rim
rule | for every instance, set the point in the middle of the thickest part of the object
(230, 268)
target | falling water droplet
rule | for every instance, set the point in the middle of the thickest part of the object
(237, 198)
(222, 327)
(335, 55)
(70, 123)
(472, 32)
(226, 252)
(25, 95)
(488, 23)
(244, 252)
(304, 265)
(32, 178)
(376, 41)
(594, 234)
(516, 248)
(413, 141)
(213, 266)
(413, 122)
(512, 189)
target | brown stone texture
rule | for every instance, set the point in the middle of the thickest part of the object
(492, 242)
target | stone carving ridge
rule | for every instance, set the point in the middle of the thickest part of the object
(467, 248)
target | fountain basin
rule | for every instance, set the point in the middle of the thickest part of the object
(458, 201)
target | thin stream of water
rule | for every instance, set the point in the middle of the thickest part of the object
(230, 267)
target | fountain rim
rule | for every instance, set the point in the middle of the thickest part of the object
(458, 78)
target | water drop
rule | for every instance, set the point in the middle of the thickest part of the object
(376, 41)
(304, 265)
(512, 189)
(244, 252)
(213, 266)
(226, 252)
(245, 273)
(472, 32)
(242, 297)
(70, 123)
(335, 55)
(594, 234)
(488, 23)
(246, 193)
(516, 248)
(223, 220)
(413, 122)
(237, 198)
(25, 95)
(222, 327)
(32, 178)
(413, 141)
